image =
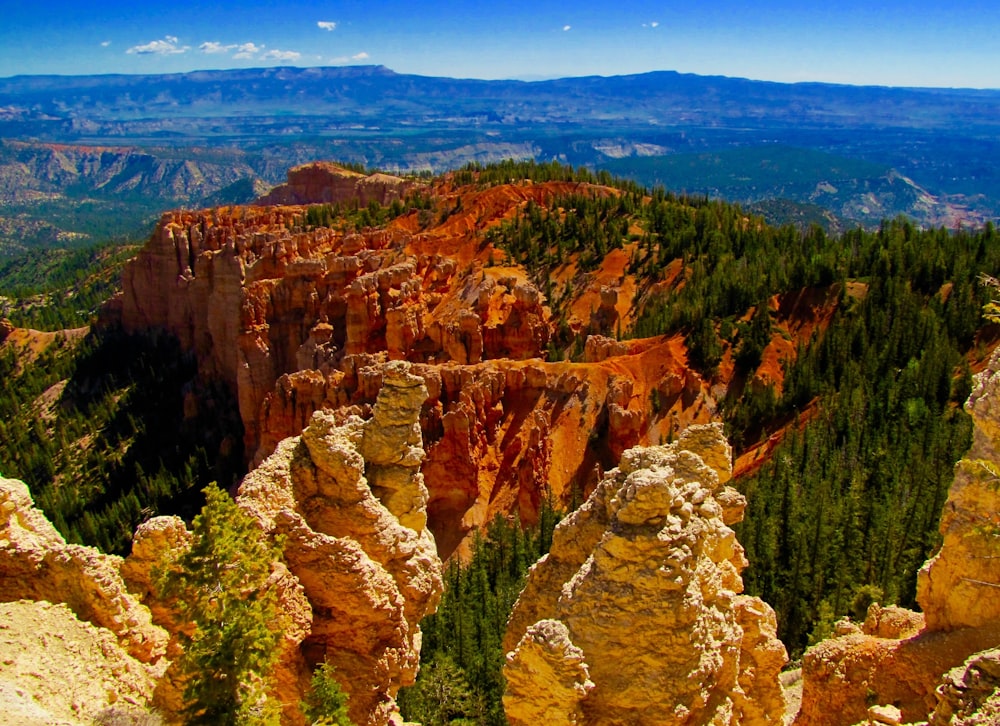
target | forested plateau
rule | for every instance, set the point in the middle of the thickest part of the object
(557, 317)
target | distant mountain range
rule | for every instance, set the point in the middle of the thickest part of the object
(864, 153)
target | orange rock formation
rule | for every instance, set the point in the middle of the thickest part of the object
(323, 183)
(297, 319)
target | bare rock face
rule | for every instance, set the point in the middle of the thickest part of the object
(356, 540)
(325, 183)
(57, 669)
(899, 657)
(37, 564)
(360, 568)
(547, 665)
(958, 587)
(645, 580)
(969, 695)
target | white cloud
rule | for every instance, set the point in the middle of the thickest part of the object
(326, 24)
(167, 46)
(360, 56)
(105, 43)
(653, 24)
(567, 27)
(213, 46)
(282, 55)
(247, 50)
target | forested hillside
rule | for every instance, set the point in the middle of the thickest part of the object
(113, 429)
(846, 508)
(859, 420)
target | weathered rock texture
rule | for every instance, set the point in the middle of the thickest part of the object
(296, 319)
(900, 659)
(323, 182)
(55, 669)
(74, 641)
(360, 568)
(970, 693)
(37, 564)
(640, 592)
(351, 502)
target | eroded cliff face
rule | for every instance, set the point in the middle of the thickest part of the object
(901, 659)
(635, 615)
(297, 319)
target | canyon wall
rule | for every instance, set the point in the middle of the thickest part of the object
(297, 319)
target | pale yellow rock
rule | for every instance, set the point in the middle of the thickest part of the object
(762, 656)
(645, 579)
(37, 564)
(55, 669)
(969, 695)
(547, 678)
(899, 657)
(366, 561)
(958, 587)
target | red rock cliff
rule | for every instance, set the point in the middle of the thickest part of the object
(297, 318)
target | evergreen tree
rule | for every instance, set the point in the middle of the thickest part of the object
(220, 584)
(326, 704)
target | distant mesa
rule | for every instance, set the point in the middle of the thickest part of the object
(323, 182)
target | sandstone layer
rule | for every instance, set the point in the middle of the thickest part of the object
(900, 660)
(635, 613)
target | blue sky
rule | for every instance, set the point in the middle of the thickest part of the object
(920, 43)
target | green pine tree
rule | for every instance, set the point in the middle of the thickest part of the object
(326, 703)
(220, 585)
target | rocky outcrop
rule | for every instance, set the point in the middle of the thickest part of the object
(899, 658)
(350, 502)
(37, 564)
(359, 568)
(294, 317)
(491, 429)
(959, 586)
(644, 581)
(327, 183)
(547, 678)
(970, 693)
(57, 669)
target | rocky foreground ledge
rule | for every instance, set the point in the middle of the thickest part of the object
(635, 616)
